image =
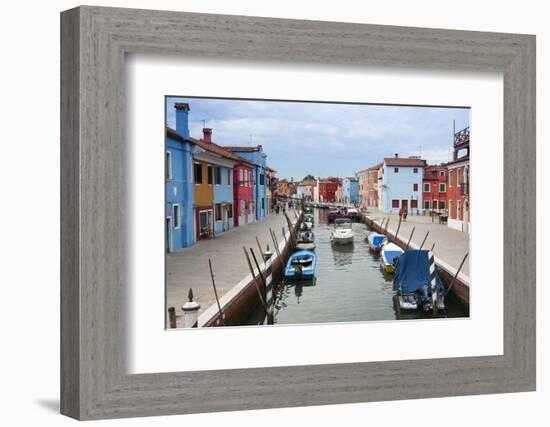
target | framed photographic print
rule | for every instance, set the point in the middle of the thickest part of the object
(362, 196)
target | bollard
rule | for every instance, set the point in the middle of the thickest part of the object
(267, 254)
(191, 311)
(172, 317)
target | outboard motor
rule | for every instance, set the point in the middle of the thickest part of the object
(424, 299)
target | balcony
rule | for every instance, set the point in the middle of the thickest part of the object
(462, 138)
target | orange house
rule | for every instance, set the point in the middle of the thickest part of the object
(204, 199)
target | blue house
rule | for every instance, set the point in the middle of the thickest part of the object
(350, 190)
(179, 231)
(259, 158)
(401, 184)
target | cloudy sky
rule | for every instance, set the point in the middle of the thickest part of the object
(325, 139)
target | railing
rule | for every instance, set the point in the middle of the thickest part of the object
(464, 189)
(462, 137)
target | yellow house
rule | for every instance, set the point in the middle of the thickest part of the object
(204, 199)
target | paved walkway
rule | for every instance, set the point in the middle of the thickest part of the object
(188, 268)
(450, 245)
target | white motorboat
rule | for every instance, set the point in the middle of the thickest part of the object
(343, 232)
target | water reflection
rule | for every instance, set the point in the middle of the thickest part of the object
(349, 285)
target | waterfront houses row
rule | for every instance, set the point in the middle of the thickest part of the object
(210, 189)
(410, 183)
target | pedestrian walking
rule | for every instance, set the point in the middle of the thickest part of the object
(405, 212)
(400, 214)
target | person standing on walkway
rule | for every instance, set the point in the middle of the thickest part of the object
(400, 214)
(405, 212)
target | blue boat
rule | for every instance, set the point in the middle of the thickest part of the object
(417, 282)
(389, 254)
(301, 265)
(375, 241)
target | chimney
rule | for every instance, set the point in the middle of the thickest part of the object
(207, 134)
(182, 119)
(396, 155)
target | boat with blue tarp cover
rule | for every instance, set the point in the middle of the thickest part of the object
(389, 253)
(417, 282)
(375, 241)
(301, 265)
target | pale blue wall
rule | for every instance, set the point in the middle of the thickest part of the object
(400, 186)
(223, 193)
(350, 190)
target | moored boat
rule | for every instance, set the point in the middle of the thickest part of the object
(342, 232)
(375, 241)
(390, 252)
(334, 214)
(353, 214)
(300, 265)
(417, 282)
(305, 241)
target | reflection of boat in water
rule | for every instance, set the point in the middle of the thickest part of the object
(416, 281)
(301, 264)
(375, 241)
(343, 254)
(389, 253)
(343, 231)
(305, 241)
(304, 226)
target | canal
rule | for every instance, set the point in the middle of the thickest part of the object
(350, 286)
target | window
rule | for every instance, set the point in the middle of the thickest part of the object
(414, 204)
(176, 215)
(395, 203)
(168, 165)
(218, 211)
(415, 187)
(442, 204)
(442, 187)
(415, 170)
(229, 176)
(426, 204)
(459, 209)
(441, 173)
(198, 173)
(210, 175)
(396, 170)
(217, 175)
(229, 211)
(241, 177)
(458, 176)
(262, 179)
(450, 178)
(427, 187)
(263, 203)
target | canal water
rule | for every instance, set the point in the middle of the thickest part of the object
(349, 286)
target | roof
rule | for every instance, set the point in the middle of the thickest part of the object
(375, 167)
(405, 162)
(462, 159)
(243, 149)
(209, 146)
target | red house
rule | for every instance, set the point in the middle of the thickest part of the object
(327, 189)
(458, 183)
(243, 191)
(434, 188)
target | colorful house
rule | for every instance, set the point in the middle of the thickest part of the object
(363, 187)
(350, 191)
(458, 182)
(243, 193)
(271, 187)
(327, 189)
(179, 192)
(434, 188)
(258, 158)
(401, 184)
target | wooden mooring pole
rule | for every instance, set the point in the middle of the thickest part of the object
(424, 241)
(216, 291)
(398, 227)
(410, 237)
(254, 279)
(268, 311)
(457, 271)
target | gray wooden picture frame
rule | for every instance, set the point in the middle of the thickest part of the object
(94, 41)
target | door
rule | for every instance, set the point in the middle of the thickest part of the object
(168, 237)
(405, 204)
